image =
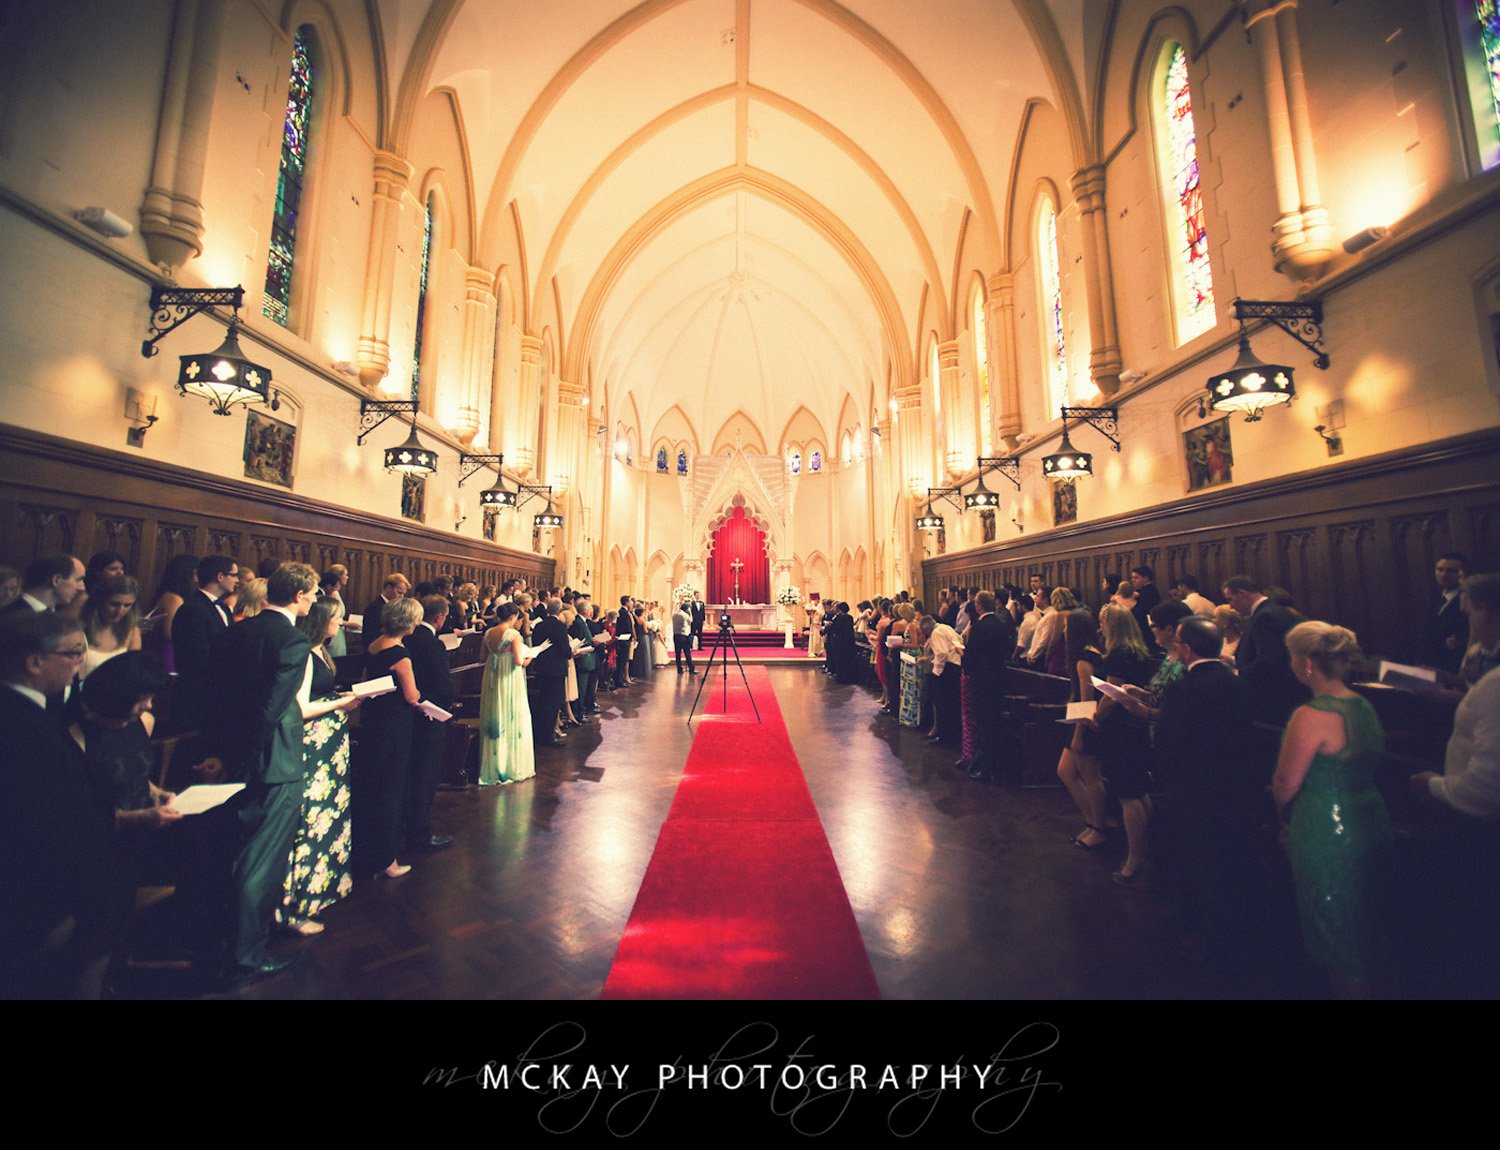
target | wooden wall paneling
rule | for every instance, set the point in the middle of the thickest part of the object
(1483, 545)
(1352, 570)
(43, 530)
(1415, 543)
(1248, 550)
(225, 539)
(1210, 572)
(120, 533)
(1294, 569)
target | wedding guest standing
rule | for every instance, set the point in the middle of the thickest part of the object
(434, 678)
(506, 749)
(385, 736)
(318, 871)
(111, 621)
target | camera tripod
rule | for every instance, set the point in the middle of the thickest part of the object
(723, 645)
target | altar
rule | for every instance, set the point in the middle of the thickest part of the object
(749, 616)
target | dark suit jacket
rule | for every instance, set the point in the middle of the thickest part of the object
(987, 651)
(370, 622)
(1145, 600)
(1447, 634)
(1266, 666)
(195, 629)
(1203, 741)
(55, 837)
(254, 723)
(553, 662)
(624, 626)
(431, 667)
(581, 630)
(697, 613)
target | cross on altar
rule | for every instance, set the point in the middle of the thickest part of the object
(737, 566)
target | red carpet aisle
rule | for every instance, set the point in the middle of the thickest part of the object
(742, 898)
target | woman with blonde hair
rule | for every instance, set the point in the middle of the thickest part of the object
(1338, 833)
(111, 621)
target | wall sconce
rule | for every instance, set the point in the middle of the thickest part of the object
(1252, 386)
(930, 520)
(140, 410)
(224, 376)
(1333, 423)
(982, 498)
(544, 520)
(1067, 462)
(496, 496)
(408, 458)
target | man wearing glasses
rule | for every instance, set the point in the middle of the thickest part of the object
(201, 619)
(54, 838)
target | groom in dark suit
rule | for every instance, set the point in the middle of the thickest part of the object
(261, 665)
(431, 668)
(697, 615)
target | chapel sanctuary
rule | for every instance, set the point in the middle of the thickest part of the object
(786, 302)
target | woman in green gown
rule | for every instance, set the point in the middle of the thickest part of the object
(1338, 835)
(506, 752)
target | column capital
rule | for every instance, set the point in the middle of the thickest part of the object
(392, 172)
(1087, 185)
(1252, 12)
(1001, 284)
(947, 355)
(531, 349)
(478, 282)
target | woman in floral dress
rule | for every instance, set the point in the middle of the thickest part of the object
(319, 872)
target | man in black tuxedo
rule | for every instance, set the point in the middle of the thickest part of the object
(587, 661)
(48, 583)
(551, 669)
(624, 630)
(431, 668)
(1147, 596)
(1203, 741)
(697, 615)
(1262, 655)
(55, 838)
(1446, 636)
(988, 646)
(838, 637)
(261, 667)
(395, 587)
(199, 623)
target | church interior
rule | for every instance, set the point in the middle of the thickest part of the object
(793, 272)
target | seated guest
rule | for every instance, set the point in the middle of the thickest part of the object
(10, 586)
(55, 839)
(1231, 625)
(111, 621)
(114, 732)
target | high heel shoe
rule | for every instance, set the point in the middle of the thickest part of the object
(395, 870)
(304, 926)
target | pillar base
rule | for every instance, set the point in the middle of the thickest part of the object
(1303, 245)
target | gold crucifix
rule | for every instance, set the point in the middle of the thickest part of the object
(737, 566)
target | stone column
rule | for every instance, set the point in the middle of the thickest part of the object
(1005, 379)
(172, 209)
(479, 330)
(1104, 336)
(523, 448)
(373, 352)
(1302, 237)
(956, 438)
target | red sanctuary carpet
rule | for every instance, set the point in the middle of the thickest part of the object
(742, 898)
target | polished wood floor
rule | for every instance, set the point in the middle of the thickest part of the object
(962, 890)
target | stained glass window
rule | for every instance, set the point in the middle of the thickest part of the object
(816, 462)
(982, 369)
(682, 463)
(281, 258)
(1488, 19)
(1189, 233)
(794, 462)
(661, 459)
(1052, 305)
(416, 351)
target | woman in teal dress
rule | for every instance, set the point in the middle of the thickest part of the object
(1338, 835)
(506, 754)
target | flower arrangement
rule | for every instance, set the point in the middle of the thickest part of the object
(789, 596)
(686, 591)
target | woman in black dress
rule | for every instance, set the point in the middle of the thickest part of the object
(385, 732)
(1122, 741)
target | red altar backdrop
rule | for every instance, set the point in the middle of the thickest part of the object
(739, 538)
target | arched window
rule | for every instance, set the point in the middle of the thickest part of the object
(980, 331)
(815, 462)
(1049, 272)
(1479, 36)
(794, 462)
(681, 461)
(281, 258)
(1187, 231)
(416, 351)
(661, 459)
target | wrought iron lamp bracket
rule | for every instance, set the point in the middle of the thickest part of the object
(951, 494)
(1007, 465)
(1104, 420)
(528, 491)
(374, 412)
(469, 464)
(1302, 320)
(171, 307)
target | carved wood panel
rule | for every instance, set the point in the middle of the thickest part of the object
(1352, 569)
(42, 530)
(120, 534)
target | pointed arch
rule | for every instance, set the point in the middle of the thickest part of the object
(752, 439)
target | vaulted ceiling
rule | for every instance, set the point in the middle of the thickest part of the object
(738, 204)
